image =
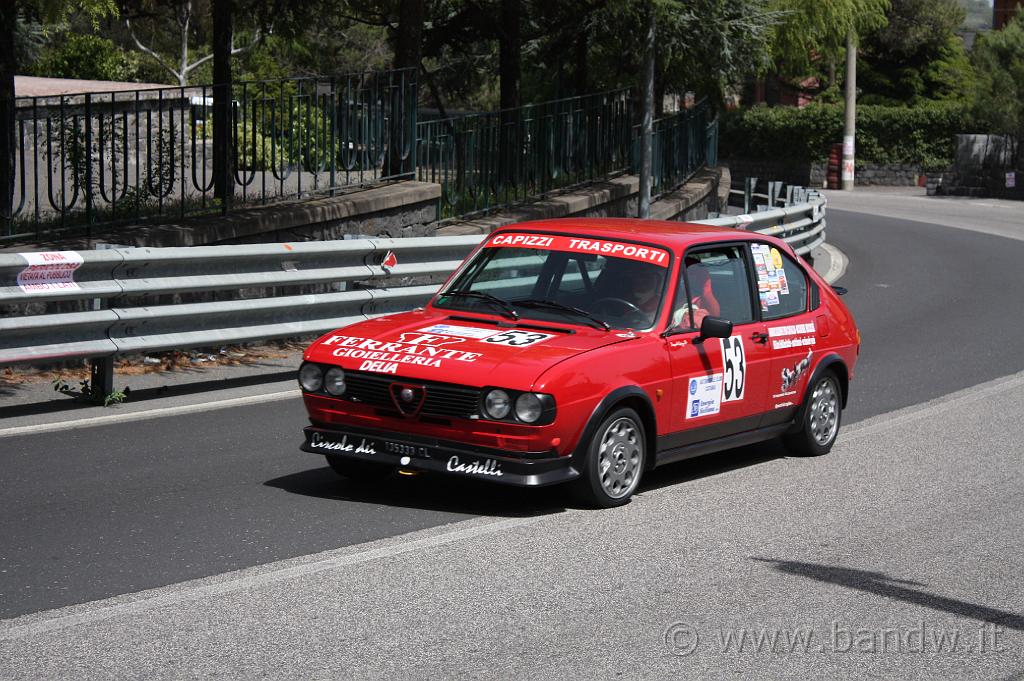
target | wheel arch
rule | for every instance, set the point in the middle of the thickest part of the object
(831, 363)
(635, 398)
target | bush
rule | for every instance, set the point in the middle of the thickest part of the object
(87, 57)
(921, 135)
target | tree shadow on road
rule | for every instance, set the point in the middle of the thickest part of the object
(881, 584)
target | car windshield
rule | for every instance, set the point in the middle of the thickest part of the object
(598, 282)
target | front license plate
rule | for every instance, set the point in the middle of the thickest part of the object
(403, 449)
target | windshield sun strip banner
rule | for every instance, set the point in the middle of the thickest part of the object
(573, 244)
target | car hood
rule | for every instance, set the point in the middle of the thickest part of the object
(471, 350)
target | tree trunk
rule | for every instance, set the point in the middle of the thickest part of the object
(580, 74)
(409, 35)
(647, 118)
(223, 125)
(8, 66)
(509, 49)
(408, 48)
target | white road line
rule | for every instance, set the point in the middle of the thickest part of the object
(71, 616)
(147, 414)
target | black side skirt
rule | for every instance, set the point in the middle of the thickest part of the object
(748, 437)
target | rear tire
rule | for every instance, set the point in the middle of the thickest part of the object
(357, 470)
(615, 461)
(821, 418)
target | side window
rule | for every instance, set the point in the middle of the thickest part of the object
(781, 284)
(716, 285)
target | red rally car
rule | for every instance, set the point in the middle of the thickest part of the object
(587, 351)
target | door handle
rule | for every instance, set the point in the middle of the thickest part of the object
(759, 337)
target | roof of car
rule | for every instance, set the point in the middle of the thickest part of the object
(659, 231)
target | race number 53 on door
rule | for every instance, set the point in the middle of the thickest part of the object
(734, 364)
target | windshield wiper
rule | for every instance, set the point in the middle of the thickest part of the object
(555, 305)
(499, 302)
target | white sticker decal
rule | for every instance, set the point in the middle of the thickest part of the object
(517, 338)
(414, 348)
(49, 271)
(460, 331)
(705, 396)
(478, 467)
(734, 366)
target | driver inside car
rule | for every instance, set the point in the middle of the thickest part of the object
(702, 301)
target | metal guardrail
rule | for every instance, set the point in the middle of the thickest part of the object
(345, 269)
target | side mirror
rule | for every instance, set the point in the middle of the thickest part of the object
(714, 327)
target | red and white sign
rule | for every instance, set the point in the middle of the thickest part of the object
(572, 244)
(390, 260)
(49, 271)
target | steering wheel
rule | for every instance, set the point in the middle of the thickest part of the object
(627, 307)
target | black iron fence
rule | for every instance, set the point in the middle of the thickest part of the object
(101, 159)
(492, 160)
(97, 160)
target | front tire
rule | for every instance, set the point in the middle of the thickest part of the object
(615, 461)
(821, 419)
(357, 470)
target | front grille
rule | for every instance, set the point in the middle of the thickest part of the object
(442, 399)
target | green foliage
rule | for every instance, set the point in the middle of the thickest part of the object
(89, 57)
(85, 392)
(998, 58)
(923, 135)
(813, 28)
(256, 150)
(917, 56)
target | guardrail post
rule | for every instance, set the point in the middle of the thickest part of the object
(774, 190)
(102, 379)
(748, 193)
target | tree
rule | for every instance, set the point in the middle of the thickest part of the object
(998, 58)
(186, 15)
(916, 56)
(812, 29)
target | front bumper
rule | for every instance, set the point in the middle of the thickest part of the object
(529, 469)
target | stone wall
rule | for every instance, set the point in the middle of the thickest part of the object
(816, 174)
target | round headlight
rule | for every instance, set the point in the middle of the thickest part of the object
(334, 381)
(497, 404)
(311, 377)
(528, 407)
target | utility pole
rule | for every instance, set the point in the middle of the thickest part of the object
(850, 125)
(647, 120)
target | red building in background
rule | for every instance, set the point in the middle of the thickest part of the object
(1003, 11)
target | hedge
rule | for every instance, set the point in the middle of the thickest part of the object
(887, 135)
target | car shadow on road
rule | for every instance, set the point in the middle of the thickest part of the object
(428, 492)
(881, 584)
(712, 464)
(433, 492)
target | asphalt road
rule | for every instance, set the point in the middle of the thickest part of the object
(913, 521)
